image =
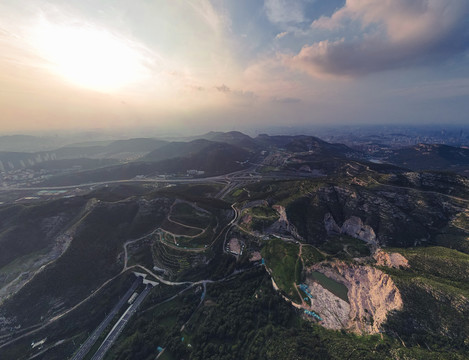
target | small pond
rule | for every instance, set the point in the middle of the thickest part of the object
(338, 289)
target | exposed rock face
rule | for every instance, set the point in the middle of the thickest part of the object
(393, 260)
(333, 310)
(255, 256)
(353, 226)
(282, 226)
(372, 295)
(331, 226)
(235, 246)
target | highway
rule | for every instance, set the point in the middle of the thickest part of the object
(108, 182)
(88, 344)
(239, 175)
(117, 329)
(230, 225)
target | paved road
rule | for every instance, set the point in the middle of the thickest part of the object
(230, 225)
(88, 344)
(237, 175)
(69, 187)
(117, 329)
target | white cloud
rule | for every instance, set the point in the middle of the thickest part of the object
(281, 35)
(284, 11)
(214, 20)
(394, 34)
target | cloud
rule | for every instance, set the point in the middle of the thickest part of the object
(206, 10)
(281, 35)
(393, 34)
(236, 94)
(284, 11)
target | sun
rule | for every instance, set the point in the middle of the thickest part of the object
(90, 57)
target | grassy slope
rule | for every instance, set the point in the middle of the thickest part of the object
(186, 214)
(281, 258)
(435, 292)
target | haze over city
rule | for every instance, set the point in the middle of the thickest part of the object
(77, 65)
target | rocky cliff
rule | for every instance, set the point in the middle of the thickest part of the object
(353, 227)
(371, 293)
(388, 259)
(283, 226)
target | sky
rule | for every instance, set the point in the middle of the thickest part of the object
(231, 64)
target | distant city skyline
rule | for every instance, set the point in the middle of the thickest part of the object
(201, 64)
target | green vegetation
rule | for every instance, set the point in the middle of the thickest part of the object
(182, 265)
(311, 255)
(190, 238)
(442, 265)
(180, 230)
(153, 327)
(264, 212)
(435, 291)
(282, 258)
(241, 315)
(434, 157)
(187, 214)
(267, 169)
(462, 220)
(399, 212)
(142, 256)
(74, 327)
(237, 193)
(199, 193)
(32, 228)
(194, 222)
(175, 261)
(345, 247)
(454, 238)
(244, 318)
(21, 264)
(282, 191)
(89, 261)
(260, 218)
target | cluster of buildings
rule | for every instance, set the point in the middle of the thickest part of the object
(195, 172)
(23, 177)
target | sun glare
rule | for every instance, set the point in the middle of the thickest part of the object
(90, 57)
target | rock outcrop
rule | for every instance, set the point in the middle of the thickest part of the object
(331, 226)
(371, 293)
(388, 259)
(353, 227)
(283, 226)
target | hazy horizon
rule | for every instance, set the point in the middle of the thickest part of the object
(318, 130)
(196, 65)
